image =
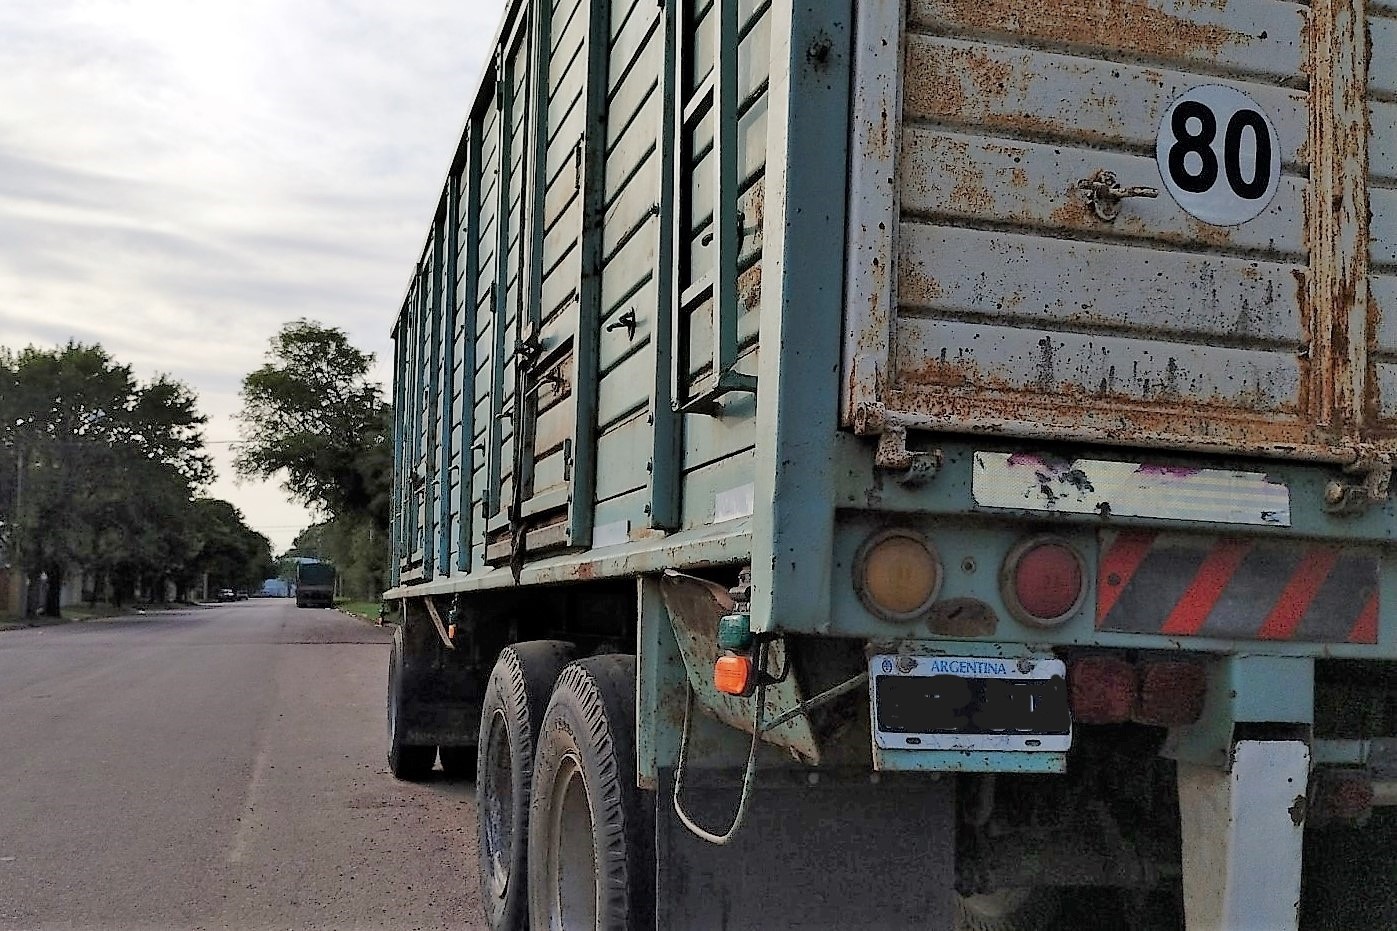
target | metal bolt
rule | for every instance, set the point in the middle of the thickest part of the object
(812, 778)
(967, 565)
(1026, 666)
(906, 664)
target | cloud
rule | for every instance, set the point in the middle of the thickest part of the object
(178, 179)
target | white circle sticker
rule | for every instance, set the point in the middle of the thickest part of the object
(1219, 155)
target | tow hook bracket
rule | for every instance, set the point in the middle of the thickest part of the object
(1372, 486)
(892, 455)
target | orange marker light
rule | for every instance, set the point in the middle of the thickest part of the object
(732, 675)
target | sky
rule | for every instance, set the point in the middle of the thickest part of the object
(178, 178)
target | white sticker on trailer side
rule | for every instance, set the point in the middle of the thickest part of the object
(1023, 481)
(1219, 155)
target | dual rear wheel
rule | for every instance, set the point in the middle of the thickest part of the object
(564, 833)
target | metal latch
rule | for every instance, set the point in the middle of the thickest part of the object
(1105, 194)
(1374, 476)
(917, 466)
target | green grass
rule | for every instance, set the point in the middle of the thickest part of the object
(368, 610)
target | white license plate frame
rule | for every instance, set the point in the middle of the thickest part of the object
(974, 669)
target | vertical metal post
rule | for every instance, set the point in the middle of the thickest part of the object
(431, 394)
(397, 515)
(667, 426)
(1338, 214)
(725, 229)
(1243, 829)
(494, 448)
(802, 311)
(470, 302)
(445, 270)
(587, 346)
(873, 201)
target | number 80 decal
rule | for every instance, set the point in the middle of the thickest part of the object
(1219, 155)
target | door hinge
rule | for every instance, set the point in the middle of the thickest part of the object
(1372, 478)
(892, 453)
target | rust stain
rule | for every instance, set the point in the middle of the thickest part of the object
(916, 287)
(749, 288)
(1123, 25)
(962, 617)
(957, 82)
(970, 193)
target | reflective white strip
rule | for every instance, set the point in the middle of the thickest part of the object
(1242, 834)
(1021, 481)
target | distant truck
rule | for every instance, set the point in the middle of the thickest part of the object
(315, 585)
(911, 463)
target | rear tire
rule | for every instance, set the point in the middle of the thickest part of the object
(409, 762)
(591, 830)
(515, 699)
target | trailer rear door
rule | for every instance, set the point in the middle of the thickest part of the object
(1133, 221)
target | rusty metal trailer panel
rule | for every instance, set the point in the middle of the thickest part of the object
(1024, 263)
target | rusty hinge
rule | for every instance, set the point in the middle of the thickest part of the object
(892, 454)
(1372, 479)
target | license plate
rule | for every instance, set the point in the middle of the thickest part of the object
(969, 703)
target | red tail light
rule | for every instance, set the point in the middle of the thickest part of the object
(1044, 581)
(1171, 693)
(1101, 690)
(1341, 795)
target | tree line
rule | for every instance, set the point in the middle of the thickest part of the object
(314, 418)
(104, 475)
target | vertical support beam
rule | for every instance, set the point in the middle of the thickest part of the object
(725, 227)
(500, 291)
(470, 301)
(418, 434)
(873, 201)
(1337, 217)
(445, 270)
(397, 552)
(661, 681)
(678, 50)
(802, 311)
(431, 420)
(1242, 835)
(587, 345)
(529, 320)
(666, 451)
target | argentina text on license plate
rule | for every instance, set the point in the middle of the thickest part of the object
(969, 703)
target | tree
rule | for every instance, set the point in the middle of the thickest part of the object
(103, 465)
(234, 555)
(312, 416)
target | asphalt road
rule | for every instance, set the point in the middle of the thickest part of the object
(217, 768)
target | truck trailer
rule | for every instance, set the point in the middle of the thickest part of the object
(315, 584)
(910, 464)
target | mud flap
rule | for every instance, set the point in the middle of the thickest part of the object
(835, 854)
(1242, 835)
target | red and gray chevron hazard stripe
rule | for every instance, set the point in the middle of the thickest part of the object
(1236, 588)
